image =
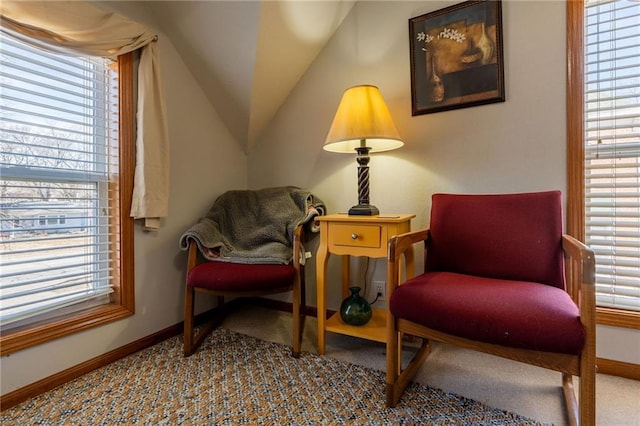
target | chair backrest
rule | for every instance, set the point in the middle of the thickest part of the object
(505, 236)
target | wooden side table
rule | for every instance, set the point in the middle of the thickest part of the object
(348, 236)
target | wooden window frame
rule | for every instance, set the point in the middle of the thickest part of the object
(122, 300)
(575, 150)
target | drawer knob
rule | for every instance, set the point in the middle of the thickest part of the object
(354, 236)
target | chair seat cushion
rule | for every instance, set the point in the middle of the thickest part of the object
(516, 314)
(226, 276)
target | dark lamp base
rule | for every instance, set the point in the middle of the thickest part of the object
(364, 210)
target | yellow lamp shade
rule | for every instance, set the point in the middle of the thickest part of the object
(362, 119)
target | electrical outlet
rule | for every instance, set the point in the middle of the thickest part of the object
(380, 287)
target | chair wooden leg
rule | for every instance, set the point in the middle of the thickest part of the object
(193, 340)
(582, 411)
(570, 399)
(402, 380)
(303, 301)
(297, 329)
(394, 362)
(588, 390)
(397, 378)
(303, 291)
(188, 321)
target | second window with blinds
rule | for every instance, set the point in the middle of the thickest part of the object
(612, 149)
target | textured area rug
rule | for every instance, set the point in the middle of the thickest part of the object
(236, 379)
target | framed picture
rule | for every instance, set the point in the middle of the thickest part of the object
(456, 57)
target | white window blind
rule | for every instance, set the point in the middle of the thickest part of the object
(612, 149)
(58, 170)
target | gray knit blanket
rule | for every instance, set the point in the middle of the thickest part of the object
(254, 226)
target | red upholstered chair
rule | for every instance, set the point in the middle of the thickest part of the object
(249, 244)
(500, 277)
(242, 280)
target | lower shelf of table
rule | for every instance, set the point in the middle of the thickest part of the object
(375, 329)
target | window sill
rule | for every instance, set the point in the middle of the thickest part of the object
(21, 338)
(618, 318)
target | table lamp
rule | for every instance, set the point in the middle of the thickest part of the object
(362, 124)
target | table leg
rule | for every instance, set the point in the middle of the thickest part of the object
(321, 271)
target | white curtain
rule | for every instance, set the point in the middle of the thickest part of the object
(82, 28)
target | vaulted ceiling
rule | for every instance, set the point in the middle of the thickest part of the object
(248, 55)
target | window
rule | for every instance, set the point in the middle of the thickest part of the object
(66, 173)
(604, 149)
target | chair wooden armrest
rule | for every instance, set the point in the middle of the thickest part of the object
(298, 247)
(580, 274)
(192, 259)
(398, 245)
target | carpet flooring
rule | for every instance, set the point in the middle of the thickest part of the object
(237, 379)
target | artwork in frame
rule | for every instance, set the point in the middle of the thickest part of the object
(456, 57)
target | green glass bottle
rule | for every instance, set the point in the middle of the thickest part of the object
(355, 310)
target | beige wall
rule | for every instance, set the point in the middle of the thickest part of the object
(518, 145)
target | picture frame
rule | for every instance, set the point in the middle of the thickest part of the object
(457, 57)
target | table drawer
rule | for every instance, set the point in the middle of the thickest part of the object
(349, 235)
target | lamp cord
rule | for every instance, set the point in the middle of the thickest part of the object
(367, 281)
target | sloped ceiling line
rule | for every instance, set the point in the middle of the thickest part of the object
(247, 71)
